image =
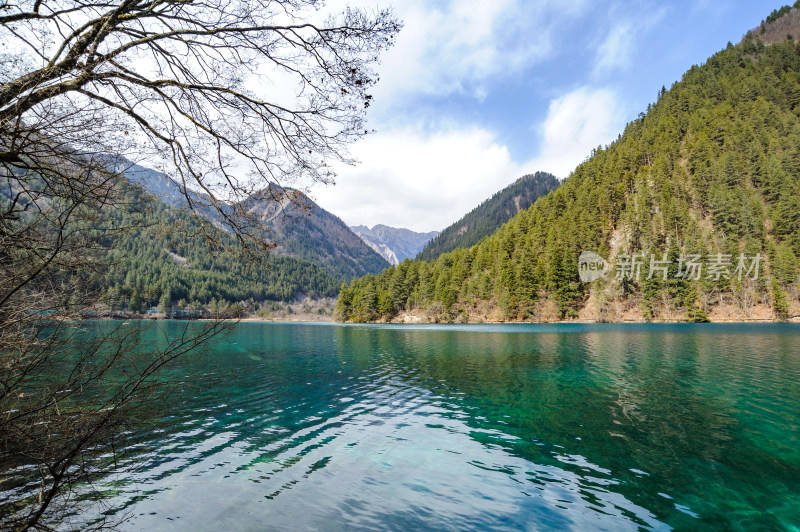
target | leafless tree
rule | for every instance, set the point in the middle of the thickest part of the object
(192, 87)
(746, 296)
(76, 388)
(174, 82)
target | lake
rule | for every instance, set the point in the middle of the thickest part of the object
(502, 427)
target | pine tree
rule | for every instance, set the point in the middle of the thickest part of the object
(165, 303)
(779, 303)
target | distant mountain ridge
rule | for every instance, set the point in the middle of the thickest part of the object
(304, 230)
(392, 243)
(487, 217)
(300, 228)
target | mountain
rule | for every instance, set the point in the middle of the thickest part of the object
(156, 183)
(693, 213)
(150, 251)
(304, 230)
(392, 243)
(487, 217)
(143, 252)
(149, 265)
(288, 218)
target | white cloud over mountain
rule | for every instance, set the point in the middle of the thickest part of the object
(425, 174)
(576, 123)
(426, 180)
(419, 180)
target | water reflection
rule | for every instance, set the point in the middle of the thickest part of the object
(501, 427)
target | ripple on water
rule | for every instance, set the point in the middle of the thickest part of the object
(491, 427)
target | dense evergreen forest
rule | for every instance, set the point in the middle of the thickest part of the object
(711, 170)
(163, 261)
(487, 217)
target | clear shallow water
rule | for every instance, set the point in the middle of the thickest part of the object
(535, 427)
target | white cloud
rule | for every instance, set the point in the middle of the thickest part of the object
(421, 181)
(576, 123)
(427, 180)
(616, 51)
(444, 50)
(463, 46)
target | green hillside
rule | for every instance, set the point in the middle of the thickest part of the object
(487, 217)
(711, 168)
(165, 262)
(150, 252)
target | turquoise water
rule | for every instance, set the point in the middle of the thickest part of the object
(508, 427)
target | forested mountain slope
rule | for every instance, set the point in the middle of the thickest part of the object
(165, 261)
(709, 173)
(152, 254)
(487, 217)
(288, 218)
(778, 25)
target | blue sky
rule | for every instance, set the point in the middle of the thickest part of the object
(477, 93)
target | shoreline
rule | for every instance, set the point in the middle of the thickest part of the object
(316, 319)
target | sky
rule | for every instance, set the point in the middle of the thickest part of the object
(477, 93)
